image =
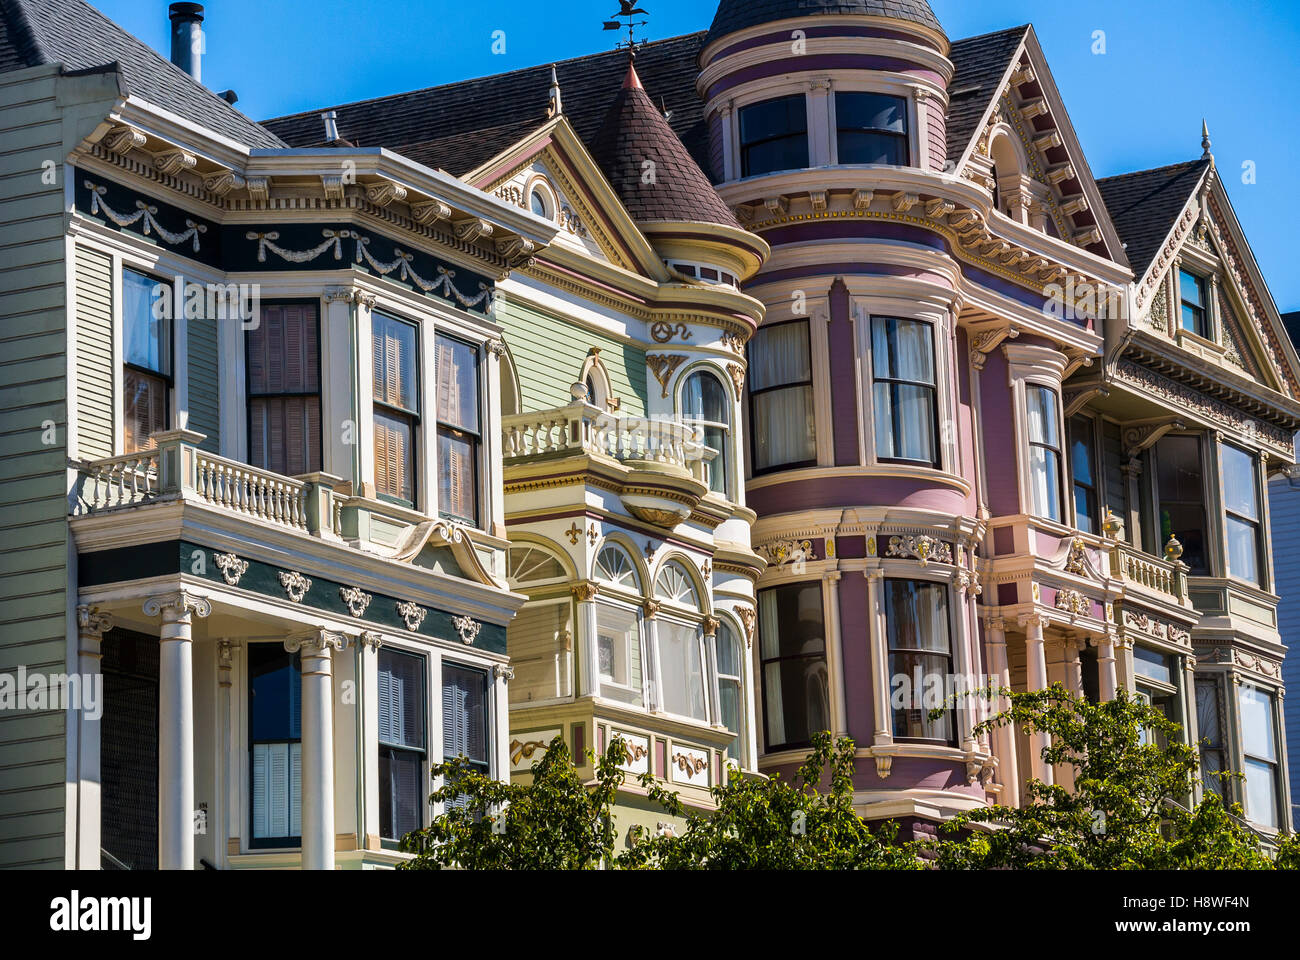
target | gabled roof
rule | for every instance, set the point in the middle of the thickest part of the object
(460, 126)
(981, 64)
(1144, 205)
(632, 136)
(75, 34)
(734, 15)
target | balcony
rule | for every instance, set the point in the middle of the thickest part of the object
(1142, 573)
(660, 465)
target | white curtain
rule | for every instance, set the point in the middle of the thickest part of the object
(682, 664)
(785, 430)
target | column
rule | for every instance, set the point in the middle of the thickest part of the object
(1073, 667)
(1106, 667)
(709, 626)
(588, 649)
(834, 641)
(1004, 737)
(820, 145)
(884, 721)
(730, 168)
(367, 660)
(1036, 679)
(224, 821)
(495, 521)
(316, 649)
(655, 701)
(91, 627)
(176, 726)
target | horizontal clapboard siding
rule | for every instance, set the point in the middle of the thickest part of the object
(549, 353)
(33, 506)
(204, 403)
(94, 272)
(1284, 509)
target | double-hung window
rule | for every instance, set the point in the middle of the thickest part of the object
(782, 419)
(1044, 452)
(871, 128)
(402, 728)
(904, 390)
(147, 357)
(284, 426)
(681, 654)
(1259, 742)
(705, 404)
(397, 407)
(731, 704)
(275, 744)
(1180, 488)
(774, 135)
(920, 659)
(1241, 504)
(1213, 746)
(459, 429)
(1191, 291)
(1083, 472)
(465, 722)
(792, 650)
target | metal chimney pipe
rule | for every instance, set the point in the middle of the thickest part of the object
(187, 37)
(331, 119)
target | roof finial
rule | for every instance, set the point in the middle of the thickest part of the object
(556, 106)
(1205, 140)
(628, 11)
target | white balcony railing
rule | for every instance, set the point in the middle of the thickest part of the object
(1165, 577)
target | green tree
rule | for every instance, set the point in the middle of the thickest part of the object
(1132, 779)
(769, 823)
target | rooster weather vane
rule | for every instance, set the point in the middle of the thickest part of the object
(628, 11)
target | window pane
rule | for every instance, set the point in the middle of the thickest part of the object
(1261, 792)
(1044, 469)
(773, 118)
(1194, 320)
(728, 651)
(904, 422)
(401, 699)
(703, 398)
(275, 690)
(1180, 488)
(1191, 288)
(277, 791)
(457, 371)
(464, 713)
(1257, 735)
(870, 111)
(1243, 550)
(146, 409)
(779, 355)
(618, 642)
(284, 434)
(395, 354)
(916, 614)
(923, 690)
(394, 456)
(858, 147)
(795, 692)
(146, 339)
(729, 708)
(1041, 404)
(1239, 483)
(1151, 663)
(401, 792)
(682, 683)
(785, 430)
(284, 350)
(457, 497)
(791, 621)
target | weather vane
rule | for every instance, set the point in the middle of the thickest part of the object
(628, 11)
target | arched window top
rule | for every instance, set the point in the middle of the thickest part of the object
(613, 565)
(532, 565)
(675, 584)
(705, 399)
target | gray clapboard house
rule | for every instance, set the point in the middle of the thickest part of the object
(250, 455)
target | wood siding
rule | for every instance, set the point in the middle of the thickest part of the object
(94, 272)
(203, 374)
(1284, 510)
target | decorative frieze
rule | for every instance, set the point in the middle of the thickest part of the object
(467, 628)
(923, 548)
(295, 585)
(1073, 602)
(356, 600)
(412, 614)
(231, 567)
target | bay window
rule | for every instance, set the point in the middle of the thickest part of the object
(396, 407)
(904, 390)
(1191, 293)
(920, 659)
(782, 420)
(1241, 505)
(731, 701)
(1260, 762)
(1213, 746)
(1155, 680)
(618, 628)
(283, 364)
(1083, 472)
(147, 359)
(275, 745)
(1044, 452)
(681, 654)
(1180, 490)
(402, 728)
(792, 651)
(459, 429)
(774, 135)
(705, 404)
(871, 128)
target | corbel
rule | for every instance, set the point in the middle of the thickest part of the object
(472, 229)
(1075, 400)
(222, 182)
(385, 192)
(986, 341)
(862, 199)
(903, 201)
(777, 206)
(428, 212)
(172, 162)
(332, 184)
(1139, 437)
(122, 140)
(259, 189)
(1033, 108)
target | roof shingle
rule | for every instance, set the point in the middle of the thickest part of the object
(1144, 205)
(980, 62)
(734, 15)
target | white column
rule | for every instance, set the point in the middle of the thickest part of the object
(588, 649)
(1036, 679)
(176, 726)
(834, 641)
(819, 123)
(884, 731)
(709, 627)
(1004, 738)
(494, 466)
(655, 700)
(317, 745)
(224, 822)
(368, 645)
(1106, 667)
(730, 168)
(91, 627)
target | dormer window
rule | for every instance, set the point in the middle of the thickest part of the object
(774, 136)
(1191, 290)
(871, 128)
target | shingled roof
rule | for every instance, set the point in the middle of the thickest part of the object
(634, 134)
(459, 126)
(981, 63)
(736, 15)
(1144, 205)
(75, 34)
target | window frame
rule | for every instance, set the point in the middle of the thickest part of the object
(168, 379)
(751, 393)
(763, 662)
(725, 455)
(425, 755)
(1058, 451)
(744, 147)
(1280, 797)
(936, 462)
(1151, 467)
(489, 713)
(890, 650)
(414, 418)
(290, 841)
(905, 136)
(476, 440)
(1203, 308)
(1230, 515)
(1093, 491)
(319, 394)
(737, 632)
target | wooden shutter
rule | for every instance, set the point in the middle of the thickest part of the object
(295, 789)
(284, 390)
(261, 813)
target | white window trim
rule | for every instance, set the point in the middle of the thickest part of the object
(1041, 366)
(905, 90)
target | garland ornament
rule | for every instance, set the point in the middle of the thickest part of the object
(146, 212)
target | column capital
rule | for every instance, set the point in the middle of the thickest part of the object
(91, 620)
(651, 608)
(710, 625)
(1033, 622)
(585, 592)
(225, 654)
(996, 625)
(369, 640)
(316, 642)
(177, 605)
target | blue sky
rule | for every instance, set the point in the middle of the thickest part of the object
(1167, 64)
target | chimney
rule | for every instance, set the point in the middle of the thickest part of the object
(187, 37)
(331, 125)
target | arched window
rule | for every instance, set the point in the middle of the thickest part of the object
(731, 698)
(675, 584)
(705, 404)
(613, 565)
(528, 564)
